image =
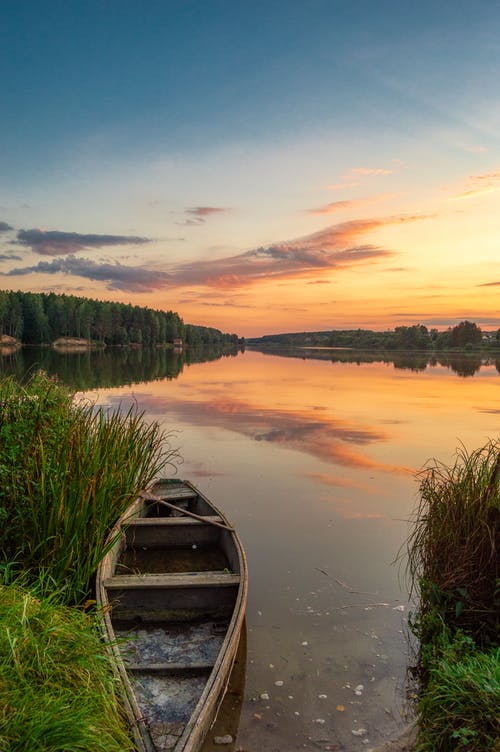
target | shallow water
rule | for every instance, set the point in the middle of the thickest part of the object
(313, 460)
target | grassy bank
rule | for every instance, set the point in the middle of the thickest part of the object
(57, 687)
(453, 563)
(67, 472)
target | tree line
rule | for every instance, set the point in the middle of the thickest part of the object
(466, 335)
(41, 318)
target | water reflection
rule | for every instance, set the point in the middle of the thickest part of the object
(93, 369)
(462, 363)
(309, 458)
(315, 432)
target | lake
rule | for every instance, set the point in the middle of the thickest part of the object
(312, 455)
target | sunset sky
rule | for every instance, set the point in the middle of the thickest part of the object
(259, 167)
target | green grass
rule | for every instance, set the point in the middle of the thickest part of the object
(57, 687)
(67, 472)
(459, 709)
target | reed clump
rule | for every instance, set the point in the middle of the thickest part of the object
(453, 551)
(57, 686)
(453, 565)
(67, 472)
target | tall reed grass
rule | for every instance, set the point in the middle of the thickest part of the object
(453, 550)
(453, 564)
(67, 472)
(57, 687)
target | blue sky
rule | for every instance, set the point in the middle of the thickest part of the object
(214, 133)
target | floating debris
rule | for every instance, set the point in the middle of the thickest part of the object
(319, 720)
(322, 697)
(359, 689)
(264, 696)
(227, 739)
(340, 708)
(278, 683)
(398, 608)
(359, 732)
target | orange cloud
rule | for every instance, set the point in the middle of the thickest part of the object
(334, 206)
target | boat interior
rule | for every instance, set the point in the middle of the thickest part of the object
(172, 583)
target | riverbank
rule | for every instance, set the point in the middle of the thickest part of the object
(67, 472)
(404, 743)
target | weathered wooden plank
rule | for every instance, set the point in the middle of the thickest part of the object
(160, 522)
(176, 492)
(174, 581)
(172, 532)
(171, 667)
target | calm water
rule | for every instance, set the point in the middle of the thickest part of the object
(313, 460)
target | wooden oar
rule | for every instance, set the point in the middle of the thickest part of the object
(148, 496)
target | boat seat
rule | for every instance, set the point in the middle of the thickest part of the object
(171, 521)
(171, 494)
(171, 581)
(198, 667)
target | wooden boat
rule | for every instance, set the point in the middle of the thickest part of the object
(173, 588)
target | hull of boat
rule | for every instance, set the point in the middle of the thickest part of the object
(173, 588)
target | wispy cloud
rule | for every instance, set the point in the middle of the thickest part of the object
(479, 185)
(368, 172)
(341, 186)
(333, 207)
(4, 227)
(116, 276)
(336, 206)
(9, 257)
(489, 284)
(198, 215)
(473, 193)
(57, 243)
(487, 176)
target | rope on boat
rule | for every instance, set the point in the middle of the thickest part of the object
(148, 496)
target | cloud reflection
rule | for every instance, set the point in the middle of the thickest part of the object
(333, 441)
